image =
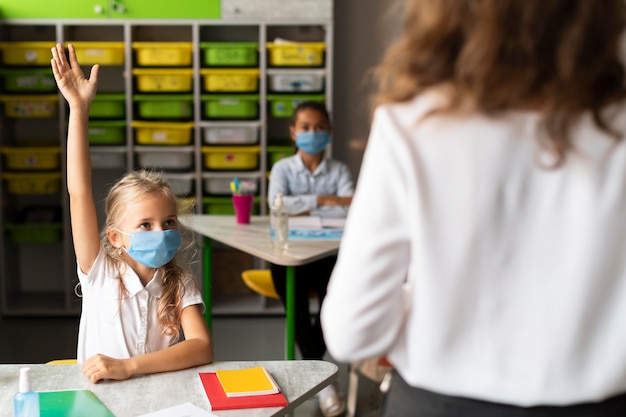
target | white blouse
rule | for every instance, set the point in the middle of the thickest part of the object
(126, 327)
(478, 272)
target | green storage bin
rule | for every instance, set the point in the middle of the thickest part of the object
(224, 205)
(231, 106)
(284, 105)
(36, 225)
(177, 106)
(107, 132)
(276, 153)
(230, 54)
(108, 106)
(28, 80)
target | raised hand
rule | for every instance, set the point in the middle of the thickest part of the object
(77, 90)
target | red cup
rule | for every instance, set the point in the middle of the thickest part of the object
(243, 207)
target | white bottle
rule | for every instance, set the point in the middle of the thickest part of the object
(278, 223)
(25, 401)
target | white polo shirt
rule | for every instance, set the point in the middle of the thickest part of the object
(126, 327)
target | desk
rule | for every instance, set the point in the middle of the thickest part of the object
(299, 381)
(254, 238)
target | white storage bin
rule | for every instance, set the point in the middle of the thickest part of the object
(182, 184)
(166, 160)
(283, 83)
(222, 185)
(228, 135)
(108, 160)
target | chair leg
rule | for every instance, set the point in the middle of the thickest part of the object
(353, 388)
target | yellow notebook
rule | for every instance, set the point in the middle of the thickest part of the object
(248, 381)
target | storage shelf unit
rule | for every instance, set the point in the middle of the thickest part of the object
(132, 125)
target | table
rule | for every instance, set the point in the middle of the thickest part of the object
(299, 381)
(254, 238)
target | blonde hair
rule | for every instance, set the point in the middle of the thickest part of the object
(559, 57)
(132, 187)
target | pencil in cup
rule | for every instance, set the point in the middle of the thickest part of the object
(243, 199)
(242, 187)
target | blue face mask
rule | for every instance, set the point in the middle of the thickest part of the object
(312, 142)
(153, 249)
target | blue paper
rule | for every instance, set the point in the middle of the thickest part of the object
(315, 234)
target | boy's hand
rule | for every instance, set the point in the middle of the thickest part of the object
(77, 90)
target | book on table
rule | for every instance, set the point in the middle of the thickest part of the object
(248, 381)
(256, 396)
(72, 403)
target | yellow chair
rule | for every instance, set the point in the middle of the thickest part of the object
(62, 362)
(260, 280)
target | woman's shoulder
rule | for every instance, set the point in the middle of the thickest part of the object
(413, 109)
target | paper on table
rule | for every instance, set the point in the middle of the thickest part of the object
(182, 410)
(333, 222)
(316, 222)
(305, 222)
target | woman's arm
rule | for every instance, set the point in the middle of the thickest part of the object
(79, 92)
(195, 350)
(365, 306)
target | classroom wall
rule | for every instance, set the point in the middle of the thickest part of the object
(363, 30)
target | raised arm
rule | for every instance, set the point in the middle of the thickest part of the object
(79, 92)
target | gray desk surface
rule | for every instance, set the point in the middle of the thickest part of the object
(299, 381)
(254, 238)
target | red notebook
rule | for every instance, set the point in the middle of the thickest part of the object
(219, 401)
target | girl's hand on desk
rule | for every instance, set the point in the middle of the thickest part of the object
(100, 367)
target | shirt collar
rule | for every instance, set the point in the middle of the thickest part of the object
(322, 168)
(133, 284)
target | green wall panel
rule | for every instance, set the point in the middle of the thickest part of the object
(115, 9)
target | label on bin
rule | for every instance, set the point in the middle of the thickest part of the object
(94, 52)
(159, 136)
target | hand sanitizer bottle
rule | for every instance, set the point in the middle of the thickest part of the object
(25, 401)
(278, 223)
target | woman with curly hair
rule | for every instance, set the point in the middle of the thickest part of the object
(484, 249)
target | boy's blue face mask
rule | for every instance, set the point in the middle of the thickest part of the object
(153, 249)
(312, 142)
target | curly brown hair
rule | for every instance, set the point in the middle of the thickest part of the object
(558, 57)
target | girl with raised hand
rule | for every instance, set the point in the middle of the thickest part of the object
(141, 312)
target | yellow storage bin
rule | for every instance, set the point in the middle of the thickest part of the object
(27, 106)
(296, 54)
(31, 158)
(33, 183)
(177, 54)
(230, 80)
(26, 53)
(158, 133)
(103, 53)
(231, 157)
(163, 80)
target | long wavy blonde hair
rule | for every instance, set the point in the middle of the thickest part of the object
(135, 186)
(558, 57)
